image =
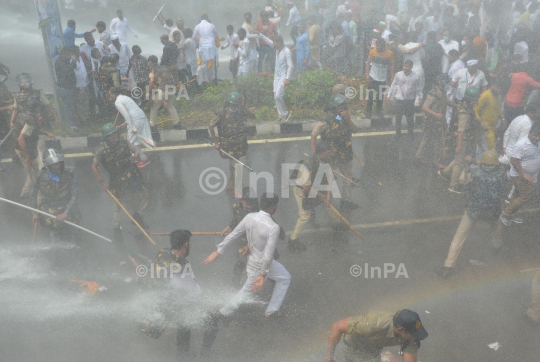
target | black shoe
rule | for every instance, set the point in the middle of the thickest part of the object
(156, 136)
(137, 217)
(348, 205)
(340, 227)
(178, 126)
(445, 272)
(118, 238)
(296, 245)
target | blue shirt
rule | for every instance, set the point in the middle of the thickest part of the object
(70, 35)
(347, 30)
(488, 188)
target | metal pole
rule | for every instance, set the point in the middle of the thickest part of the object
(49, 60)
(54, 217)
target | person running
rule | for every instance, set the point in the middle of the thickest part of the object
(484, 205)
(262, 234)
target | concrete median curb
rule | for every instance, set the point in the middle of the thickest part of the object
(199, 133)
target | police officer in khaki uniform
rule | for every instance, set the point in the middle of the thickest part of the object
(231, 131)
(55, 192)
(304, 181)
(337, 130)
(118, 157)
(366, 336)
(466, 139)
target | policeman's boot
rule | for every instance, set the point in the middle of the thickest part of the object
(137, 217)
(296, 245)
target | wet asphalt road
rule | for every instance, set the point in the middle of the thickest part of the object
(46, 316)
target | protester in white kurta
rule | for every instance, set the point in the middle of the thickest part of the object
(138, 127)
(244, 51)
(120, 26)
(262, 234)
(124, 54)
(282, 75)
(447, 44)
(206, 34)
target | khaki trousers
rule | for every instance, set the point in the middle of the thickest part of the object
(304, 215)
(462, 233)
(523, 193)
(459, 164)
(432, 141)
(31, 171)
(159, 98)
(142, 202)
(534, 310)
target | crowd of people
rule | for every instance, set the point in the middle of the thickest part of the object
(474, 71)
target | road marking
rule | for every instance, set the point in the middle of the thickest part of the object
(405, 222)
(205, 145)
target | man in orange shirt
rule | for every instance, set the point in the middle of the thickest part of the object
(379, 62)
(520, 83)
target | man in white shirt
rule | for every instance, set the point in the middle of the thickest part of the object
(455, 65)
(244, 52)
(104, 36)
(120, 26)
(232, 41)
(262, 234)
(407, 90)
(91, 43)
(518, 128)
(124, 54)
(469, 77)
(415, 52)
(447, 44)
(435, 22)
(282, 76)
(206, 34)
(294, 20)
(179, 27)
(82, 104)
(253, 37)
(525, 161)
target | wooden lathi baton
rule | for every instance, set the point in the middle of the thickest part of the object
(342, 218)
(345, 177)
(192, 233)
(372, 175)
(131, 217)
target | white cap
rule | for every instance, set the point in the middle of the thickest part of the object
(472, 62)
(114, 37)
